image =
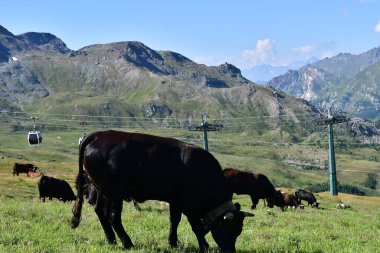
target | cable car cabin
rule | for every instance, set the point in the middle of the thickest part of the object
(34, 138)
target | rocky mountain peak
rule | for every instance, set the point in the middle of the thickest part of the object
(138, 52)
(229, 70)
(5, 32)
(44, 41)
(175, 57)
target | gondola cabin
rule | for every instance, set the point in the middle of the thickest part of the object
(34, 138)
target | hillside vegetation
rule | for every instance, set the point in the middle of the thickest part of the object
(286, 164)
(28, 225)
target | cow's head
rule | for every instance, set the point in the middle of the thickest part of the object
(276, 199)
(34, 168)
(226, 229)
(315, 204)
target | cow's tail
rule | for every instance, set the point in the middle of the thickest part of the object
(77, 209)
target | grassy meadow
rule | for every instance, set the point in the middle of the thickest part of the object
(27, 225)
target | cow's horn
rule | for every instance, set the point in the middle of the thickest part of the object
(247, 214)
(228, 216)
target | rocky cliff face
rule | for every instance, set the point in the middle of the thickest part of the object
(306, 83)
(345, 81)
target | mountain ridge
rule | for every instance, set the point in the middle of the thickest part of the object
(324, 83)
(128, 78)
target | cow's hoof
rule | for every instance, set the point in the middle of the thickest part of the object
(127, 246)
(173, 244)
(111, 241)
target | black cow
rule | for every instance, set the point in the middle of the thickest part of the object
(50, 187)
(308, 196)
(256, 185)
(23, 168)
(289, 200)
(144, 167)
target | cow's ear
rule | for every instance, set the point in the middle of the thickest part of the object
(237, 205)
(247, 214)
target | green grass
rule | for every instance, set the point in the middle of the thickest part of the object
(30, 226)
(59, 153)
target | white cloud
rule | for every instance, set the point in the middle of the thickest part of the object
(304, 49)
(377, 28)
(263, 53)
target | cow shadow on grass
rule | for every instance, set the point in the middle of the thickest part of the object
(181, 249)
(153, 209)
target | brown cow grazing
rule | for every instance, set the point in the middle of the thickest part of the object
(23, 168)
(144, 167)
(50, 187)
(308, 196)
(256, 185)
(290, 200)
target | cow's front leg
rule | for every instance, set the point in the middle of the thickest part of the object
(115, 217)
(199, 232)
(175, 218)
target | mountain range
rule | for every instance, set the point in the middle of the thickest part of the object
(262, 73)
(39, 74)
(346, 82)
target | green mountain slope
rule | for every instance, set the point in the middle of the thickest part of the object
(130, 79)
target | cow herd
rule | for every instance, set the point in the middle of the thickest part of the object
(118, 166)
(48, 187)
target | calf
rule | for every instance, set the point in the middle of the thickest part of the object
(290, 200)
(256, 185)
(308, 196)
(342, 205)
(51, 187)
(23, 168)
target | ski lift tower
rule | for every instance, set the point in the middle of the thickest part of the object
(205, 127)
(330, 121)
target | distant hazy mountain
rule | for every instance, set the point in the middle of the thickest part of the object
(263, 73)
(349, 82)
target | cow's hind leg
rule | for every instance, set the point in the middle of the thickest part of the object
(175, 218)
(101, 210)
(115, 218)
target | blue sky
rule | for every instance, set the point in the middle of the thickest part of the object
(244, 33)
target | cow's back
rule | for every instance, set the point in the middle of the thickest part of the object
(242, 182)
(22, 168)
(55, 188)
(305, 195)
